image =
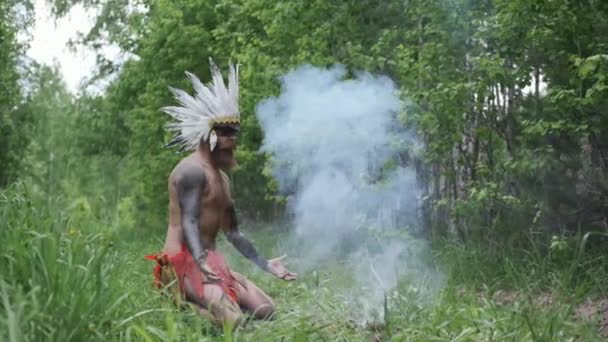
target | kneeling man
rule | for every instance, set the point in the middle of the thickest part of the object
(201, 205)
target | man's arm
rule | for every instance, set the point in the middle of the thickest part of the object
(241, 243)
(189, 188)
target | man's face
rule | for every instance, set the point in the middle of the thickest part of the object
(227, 137)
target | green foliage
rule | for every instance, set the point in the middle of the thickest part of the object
(15, 123)
(508, 98)
(53, 281)
(496, 146)
(65, 278)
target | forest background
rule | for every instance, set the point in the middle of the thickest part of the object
(508, 99)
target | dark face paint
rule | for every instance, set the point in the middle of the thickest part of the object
(227, 136)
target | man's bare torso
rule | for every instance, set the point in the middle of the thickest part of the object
(216, 202)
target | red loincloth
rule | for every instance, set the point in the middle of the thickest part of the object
(183, 265)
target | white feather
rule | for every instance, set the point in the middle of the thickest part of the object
(195, 118)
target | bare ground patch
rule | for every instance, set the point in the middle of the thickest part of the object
(595, 311)
(509, 297)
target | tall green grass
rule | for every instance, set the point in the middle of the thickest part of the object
(69, 273)
(53, 284)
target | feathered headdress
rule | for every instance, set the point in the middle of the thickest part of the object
(212, 105)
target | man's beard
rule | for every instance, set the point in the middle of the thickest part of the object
(224, 158)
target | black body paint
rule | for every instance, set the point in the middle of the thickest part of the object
(242, 244)
(190, 186)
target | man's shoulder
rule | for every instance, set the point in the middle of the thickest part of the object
(188, 170)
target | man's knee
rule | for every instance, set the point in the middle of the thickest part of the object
(264, 310)
(226, 314)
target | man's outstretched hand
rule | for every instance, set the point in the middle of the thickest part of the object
(276, 267)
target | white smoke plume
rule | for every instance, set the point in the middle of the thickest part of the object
(336, 147)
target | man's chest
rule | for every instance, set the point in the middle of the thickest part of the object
(217, 194)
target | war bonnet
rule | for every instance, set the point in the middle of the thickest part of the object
(211, 106)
